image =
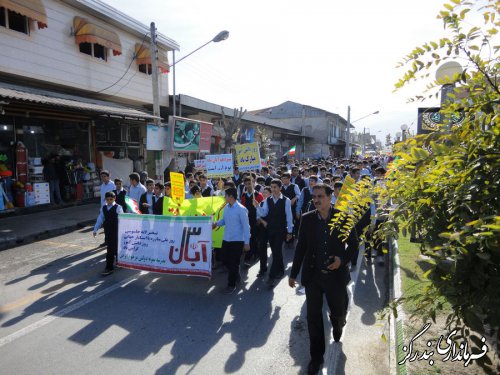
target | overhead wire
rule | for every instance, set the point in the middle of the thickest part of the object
(134, 56)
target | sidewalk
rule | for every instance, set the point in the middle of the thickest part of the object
(22, 229)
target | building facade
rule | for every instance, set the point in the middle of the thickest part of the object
(75, 81)
(323, 134)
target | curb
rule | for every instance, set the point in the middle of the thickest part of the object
(396, 324)
(12, 242)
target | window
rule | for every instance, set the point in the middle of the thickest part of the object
(146, 68)
(93, 49)
(14, 21)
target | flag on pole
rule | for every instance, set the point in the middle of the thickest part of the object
(291, 151)
(132, 205)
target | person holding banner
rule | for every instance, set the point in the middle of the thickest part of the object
(236, 237)
(108, 217)
(278, 210)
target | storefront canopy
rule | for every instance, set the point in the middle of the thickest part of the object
(24, 94)
(88, 32)
(143, 56)
(33, 9)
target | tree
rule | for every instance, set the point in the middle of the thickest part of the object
(448, 182)
(263, 136)
(231, 127)
(388, 140)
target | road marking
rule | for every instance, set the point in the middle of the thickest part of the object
(65, 244)
(43, 322)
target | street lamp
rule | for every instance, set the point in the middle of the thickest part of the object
(223, 35)
(398, 136)
(404, 128)
(349, 122)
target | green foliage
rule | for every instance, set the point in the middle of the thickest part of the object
(447, 183)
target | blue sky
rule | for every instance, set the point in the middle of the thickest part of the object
(327, 54)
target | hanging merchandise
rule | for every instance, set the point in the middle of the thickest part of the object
(21, 162)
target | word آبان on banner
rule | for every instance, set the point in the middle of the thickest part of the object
(166, 244)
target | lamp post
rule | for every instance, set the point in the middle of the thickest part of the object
(223, 35)
(404, 128)
(348, 138)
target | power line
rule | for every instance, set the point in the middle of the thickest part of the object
(128, 68)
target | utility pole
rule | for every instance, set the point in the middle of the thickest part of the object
(153, 49)
(348, 139)
(154, 74)
(363, 145)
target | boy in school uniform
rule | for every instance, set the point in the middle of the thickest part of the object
(120, 193)
(108, 218)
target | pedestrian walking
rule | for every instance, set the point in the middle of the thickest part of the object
(323, 258)
(120, 193)
(278, 210)
(236, 237)
(247, 198)
(108, 218)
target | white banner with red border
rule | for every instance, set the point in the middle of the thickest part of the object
(166, 244)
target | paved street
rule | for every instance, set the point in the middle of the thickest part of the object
(59, 316)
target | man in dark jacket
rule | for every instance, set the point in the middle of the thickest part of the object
(323, 257)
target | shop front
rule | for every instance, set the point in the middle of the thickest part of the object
(50, 144)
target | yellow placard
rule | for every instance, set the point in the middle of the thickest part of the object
(178, 187)
(248, 156)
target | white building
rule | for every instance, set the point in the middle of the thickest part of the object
(75, 79)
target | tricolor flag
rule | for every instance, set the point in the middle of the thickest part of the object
(291, 151)
(132, 205)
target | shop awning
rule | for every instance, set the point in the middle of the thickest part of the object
(25, 94)
(143, 56)
(33, 9)
(88, 32)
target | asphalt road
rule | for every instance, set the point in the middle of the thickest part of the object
(58, 315)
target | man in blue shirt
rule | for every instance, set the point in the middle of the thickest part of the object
(236, 237)
(136, 188)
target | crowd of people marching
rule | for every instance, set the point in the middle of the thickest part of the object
(288, 205)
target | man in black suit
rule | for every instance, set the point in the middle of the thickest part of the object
(323, 257)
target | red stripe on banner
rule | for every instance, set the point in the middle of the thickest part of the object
(162, 270)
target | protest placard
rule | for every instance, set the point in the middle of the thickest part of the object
(165, 244)
(200, 164)
(219, 165)
(248, 156)
(177, 187)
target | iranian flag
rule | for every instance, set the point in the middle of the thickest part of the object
(291, 151)
(132, 205)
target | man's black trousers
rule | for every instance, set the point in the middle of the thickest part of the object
(337, 299)
(231, 256)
